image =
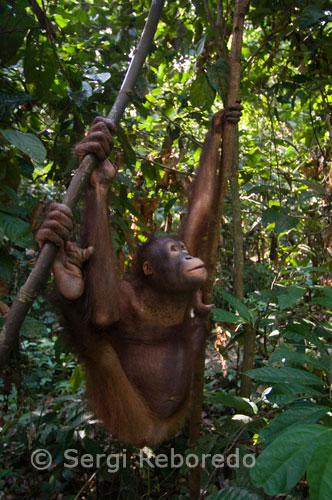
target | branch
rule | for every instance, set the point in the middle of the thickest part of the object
(40, 272)
(237, 232)
(44, 22)
(241, 7)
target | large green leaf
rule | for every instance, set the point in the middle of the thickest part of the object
(28, 143)
(282, 464)
(16, 230)
(10, 192)
(284, 393)
(32, 328)
(314, 186)
(291, 296)
(218, 76)
(40, 64)
(226, 316)
(286, 374)
(238, 305)
(201, 92)
(232, 401)
(308, 414)
(76, 379)
(280, 217)
(287, 352)
(14, 22)
(322, 301)
(298, 331)
(310, 16)
(319, 473)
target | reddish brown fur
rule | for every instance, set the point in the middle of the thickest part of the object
(115, 401)
(111, 395)
(136, 337)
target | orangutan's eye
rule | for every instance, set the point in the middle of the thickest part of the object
(173, 248)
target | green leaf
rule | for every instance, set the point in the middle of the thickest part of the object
(40, 64)
(15, 22)
(32, 328)
(285, 351)
(308, 414)
(75, 76)
(10, 192)
(200, 46)
(280, 217)
(301, 330)
(201, 92)
(149, 171)
(26, 169)
(324, 331)
(327, 291)
(121, 223)
(286, 374)
(315, 269)
(218, 76)
(6, 265)
(314, 186)
(232, 401)
(76, 379)
(81, 16)
(310, 16)
(234, 493)
(282, 464)
(322, 301)
(16, 230)
(61, 21)
(284, 393)
(238, 305)
(28, 143)
(226, 316)
(319, 473)
(205, 444)
(124, 179)
(291, 297)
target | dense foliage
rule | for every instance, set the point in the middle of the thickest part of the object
(62, 65)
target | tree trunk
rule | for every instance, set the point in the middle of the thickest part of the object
(237, 272)
(237, 234)
(249, 346)
(240, 11)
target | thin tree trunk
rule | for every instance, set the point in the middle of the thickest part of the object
(237, 234)
(238, 265)
(240, 11)
(39, 274)
(249, 346)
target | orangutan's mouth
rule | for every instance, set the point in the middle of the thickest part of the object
(201, 266)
